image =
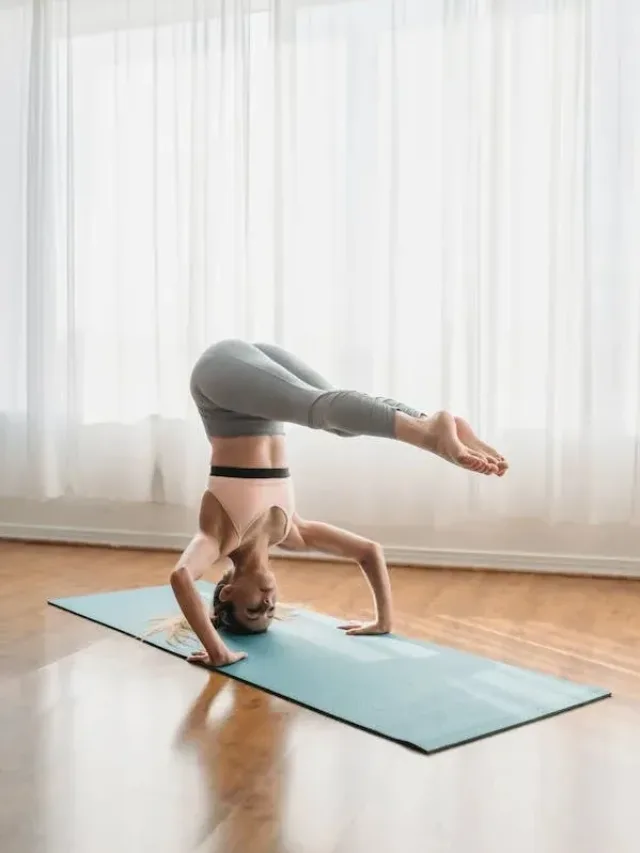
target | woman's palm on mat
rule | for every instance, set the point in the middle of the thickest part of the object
(225, 658)
(361, 629)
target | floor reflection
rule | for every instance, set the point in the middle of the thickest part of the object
(238, 737)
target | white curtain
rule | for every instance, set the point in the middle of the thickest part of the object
(436, 200)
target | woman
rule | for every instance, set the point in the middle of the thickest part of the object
(245, 393)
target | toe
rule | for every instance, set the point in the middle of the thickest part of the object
(481, 462)
(469, 461)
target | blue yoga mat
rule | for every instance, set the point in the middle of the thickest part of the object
(422, 695)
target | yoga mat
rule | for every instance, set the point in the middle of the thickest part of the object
(416, 693)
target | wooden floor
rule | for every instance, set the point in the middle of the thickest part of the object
(108, 745)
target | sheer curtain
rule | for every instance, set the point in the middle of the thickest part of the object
(436, 201)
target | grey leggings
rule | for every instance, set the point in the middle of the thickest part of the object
(254, 389)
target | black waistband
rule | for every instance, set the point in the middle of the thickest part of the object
(250, 473)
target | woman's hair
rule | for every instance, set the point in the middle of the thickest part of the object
(223, 614)
(178, 631)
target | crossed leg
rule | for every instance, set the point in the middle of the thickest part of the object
(468, 450)
(264, 381)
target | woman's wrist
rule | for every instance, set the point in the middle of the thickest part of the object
(384, 621)
(215, 646)
(375, 569)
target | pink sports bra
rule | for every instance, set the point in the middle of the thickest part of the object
(247, 493)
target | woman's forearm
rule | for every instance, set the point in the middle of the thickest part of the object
(195, 612)
(199, 555)
(375, 569)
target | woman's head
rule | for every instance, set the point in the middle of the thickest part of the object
(244, 603)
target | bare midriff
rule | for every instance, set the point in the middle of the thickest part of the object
(263, 451)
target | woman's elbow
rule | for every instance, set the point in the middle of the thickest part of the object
(177, 575)
(199, 555)
(372, 552)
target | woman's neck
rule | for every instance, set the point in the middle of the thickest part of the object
(251, 558)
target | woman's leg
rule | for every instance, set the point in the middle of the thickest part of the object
(240, 377)
(302, 371)
(307, 374)
(296, 366)
(311, 377)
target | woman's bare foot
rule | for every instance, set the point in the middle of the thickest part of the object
(441, 437)
(468, 437)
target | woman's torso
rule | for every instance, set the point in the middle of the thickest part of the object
(244, 452)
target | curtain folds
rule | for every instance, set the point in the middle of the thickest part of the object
(435, 201)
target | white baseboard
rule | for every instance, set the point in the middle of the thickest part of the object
(594, 565)
(94, 536)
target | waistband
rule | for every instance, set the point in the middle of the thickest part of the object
(250, 473)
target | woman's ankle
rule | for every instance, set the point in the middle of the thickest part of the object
(410, 430)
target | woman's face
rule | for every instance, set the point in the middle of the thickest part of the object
(254, 599)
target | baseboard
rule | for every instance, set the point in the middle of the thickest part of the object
(571, 564)
(109, 538)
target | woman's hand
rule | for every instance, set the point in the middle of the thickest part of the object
(223, 657)
(359, 629)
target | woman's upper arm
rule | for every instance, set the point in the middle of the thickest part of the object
(199, 555)
(317, 536)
